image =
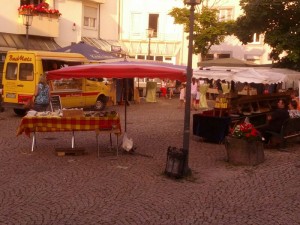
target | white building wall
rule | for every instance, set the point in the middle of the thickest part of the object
(109, 20)
(9, 16)
(71, 13)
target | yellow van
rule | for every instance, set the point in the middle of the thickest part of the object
(83, 93)
(22, 70)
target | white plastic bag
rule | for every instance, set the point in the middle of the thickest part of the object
(127, 143)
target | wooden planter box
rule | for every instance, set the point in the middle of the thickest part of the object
(242, 152)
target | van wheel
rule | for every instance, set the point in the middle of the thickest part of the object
(100, 104)
(20, 112)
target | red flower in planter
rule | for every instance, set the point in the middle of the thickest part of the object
(245, 131)
(26, 9)
(42, 8)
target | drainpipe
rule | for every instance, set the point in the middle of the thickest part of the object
(119, 19)
(99, 5)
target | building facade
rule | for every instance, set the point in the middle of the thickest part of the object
(168, 42)
(167, 39)
(114, 24)
(256, 52)
(69, 21)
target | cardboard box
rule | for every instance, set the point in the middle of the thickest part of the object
(248, 92)
(72, 113)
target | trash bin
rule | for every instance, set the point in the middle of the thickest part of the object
(176, 162)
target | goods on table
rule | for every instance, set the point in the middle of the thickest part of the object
(72, 113)
(221, 103)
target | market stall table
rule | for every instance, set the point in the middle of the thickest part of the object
(32, 124)
(211, 128)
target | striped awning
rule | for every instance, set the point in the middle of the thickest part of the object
(114, 46)
(17, 41)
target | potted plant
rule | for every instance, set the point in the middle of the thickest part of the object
(42, 9)
(26, 9)
(244, 145)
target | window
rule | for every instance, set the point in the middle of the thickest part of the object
(29, 2)
(159, 58)
(63, 84)
(256, 39)
(96, 79)
(149, 57)
(225, 14)
(208, 57)
(2, 57)
(223, 56)
(26, 71)
(141, 57)
(90, 17)
(252, 58)
(136, 24)
(153, 23)
(11, 71)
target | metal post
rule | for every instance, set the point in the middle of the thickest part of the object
(27, 28)
(186, 131)
(149, 49)
(27, 21)
(126, 100)
(150, 35)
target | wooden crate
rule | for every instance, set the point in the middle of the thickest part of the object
(72, 113)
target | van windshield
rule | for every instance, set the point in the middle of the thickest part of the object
(96, 79)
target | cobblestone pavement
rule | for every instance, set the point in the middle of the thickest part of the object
(42, 188)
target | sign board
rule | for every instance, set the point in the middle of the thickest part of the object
(55, 103)
(115, 48)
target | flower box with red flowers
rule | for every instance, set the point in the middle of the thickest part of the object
(246, 131)
(41, 9)
(244, 145)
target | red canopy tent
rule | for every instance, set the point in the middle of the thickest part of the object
(121, 70)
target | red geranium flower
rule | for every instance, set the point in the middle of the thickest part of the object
(42, 8)
(245, 131)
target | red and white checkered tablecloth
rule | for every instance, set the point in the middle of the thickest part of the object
(56, 124)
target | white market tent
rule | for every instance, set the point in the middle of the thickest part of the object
(242, 74)
(293, 77)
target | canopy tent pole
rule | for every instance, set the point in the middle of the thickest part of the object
(126, 100)
(298, 89)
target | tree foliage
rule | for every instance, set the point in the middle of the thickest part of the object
(279, 20)
(208, 30)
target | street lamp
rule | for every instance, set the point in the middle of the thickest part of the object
(27, 21)
(150, 32)
(189, 74)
